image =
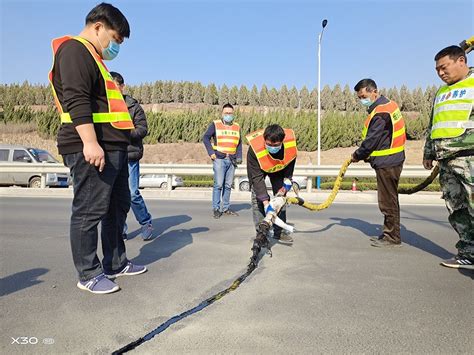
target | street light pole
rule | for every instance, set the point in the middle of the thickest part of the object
(324, 23)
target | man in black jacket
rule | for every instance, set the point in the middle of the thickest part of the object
(383, 147)
(135, 153)
(93, 140)
(277, 156)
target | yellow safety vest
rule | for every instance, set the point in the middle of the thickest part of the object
(452, 109)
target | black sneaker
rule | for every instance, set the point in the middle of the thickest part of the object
(229, 212)
(459, 262)
(384, 243)
(217, 214)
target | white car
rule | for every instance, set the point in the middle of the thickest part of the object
(11, 154)
(159, 181)
(300, 181)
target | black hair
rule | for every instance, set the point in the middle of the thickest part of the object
(368, 84)
(227, 105)
(112, 18)
(454, 53)
(117, 77)
(274, 133)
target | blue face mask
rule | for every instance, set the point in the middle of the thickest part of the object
(272, 150)
(228, 118)
(111, 51)
(366, 102)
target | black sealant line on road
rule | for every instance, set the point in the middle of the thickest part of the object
(162, 327)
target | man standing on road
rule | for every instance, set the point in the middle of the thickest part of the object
(135, 153)
(93, 139)
(383, 147)
(272, 153)
(451, 143)
(226, 153)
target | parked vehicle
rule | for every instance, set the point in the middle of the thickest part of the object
(244, 184)
(159, 181)
(19, 154)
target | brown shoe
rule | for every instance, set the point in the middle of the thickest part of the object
(384, 243)
(229, 212)
(285, 238)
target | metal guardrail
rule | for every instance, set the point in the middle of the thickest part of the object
(356, 170)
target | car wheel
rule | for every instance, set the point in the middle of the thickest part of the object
(35, 182)
(164, 185)
(244, 186)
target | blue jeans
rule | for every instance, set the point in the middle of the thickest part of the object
(98, 197)
(138, 204)
(223, 178)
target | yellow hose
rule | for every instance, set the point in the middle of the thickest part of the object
(331, 197)
(337, 185)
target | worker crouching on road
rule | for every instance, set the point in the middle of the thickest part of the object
(383, 147)
(272, 153)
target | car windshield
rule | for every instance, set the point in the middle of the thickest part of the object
(42, 156)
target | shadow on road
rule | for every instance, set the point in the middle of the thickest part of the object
(161, 225)
(408, 237)
(21, 280)
(166, 242)
(240, 206)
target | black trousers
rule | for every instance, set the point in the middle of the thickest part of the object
(387, 194)
(98, 197)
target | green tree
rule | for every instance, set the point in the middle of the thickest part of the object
(326, 98)
(283, 97)
(167, 92)
(233, 94)
(264, 99)
(211, 97)
(407, 99)
(273, 98)
(419, 101)
(197, 95)
(305, 98)
(339, 103)
(243, 97)
(177, 92)
(156, 92)
(254, 96)
(349, 99)
(187, 92)
(223, 95)
(294, 98)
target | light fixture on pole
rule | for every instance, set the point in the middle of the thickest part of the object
(324, 23)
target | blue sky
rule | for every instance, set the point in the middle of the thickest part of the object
(248, 42)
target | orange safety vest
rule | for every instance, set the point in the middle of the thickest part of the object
(117, 115)
(398, 129)
(265, 160)
(227, 137)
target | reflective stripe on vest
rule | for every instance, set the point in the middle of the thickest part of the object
(227, 137)
(452, 109)
(397, 144)
(117, 115)
(265, 160)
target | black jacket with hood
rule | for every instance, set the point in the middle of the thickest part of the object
(135, 148)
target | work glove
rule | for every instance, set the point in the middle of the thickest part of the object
(269, 208)
(287, 184)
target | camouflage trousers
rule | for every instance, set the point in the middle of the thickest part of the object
(456, 177)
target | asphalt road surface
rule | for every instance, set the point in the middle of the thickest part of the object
(330, 292)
